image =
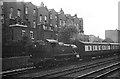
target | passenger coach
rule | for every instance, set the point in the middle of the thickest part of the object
(94, 49)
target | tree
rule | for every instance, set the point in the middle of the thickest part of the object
(68, 33)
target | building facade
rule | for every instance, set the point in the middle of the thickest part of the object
(113, 35)
(30, 19)
(13, 14)
(53, 20)
(20, 19)
(61, 18)
(37, 22)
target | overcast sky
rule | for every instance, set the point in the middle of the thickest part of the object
(98, 15)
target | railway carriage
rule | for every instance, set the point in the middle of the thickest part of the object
(94, 49)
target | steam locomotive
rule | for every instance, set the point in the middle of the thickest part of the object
(51, 51)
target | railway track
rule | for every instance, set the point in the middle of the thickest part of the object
(16, 71)
(88, 70)
(64, 71)
(96, 72)
(58, 72)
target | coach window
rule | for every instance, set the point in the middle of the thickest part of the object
(102, 47)
(99, 47)
(108, 47)
(86, 48)
(93, 47)
(113, 46)
(105, 47)
(96, 47)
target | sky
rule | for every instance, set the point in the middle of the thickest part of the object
(98, 15)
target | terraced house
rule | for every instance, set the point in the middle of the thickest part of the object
(20, 19)
(36, 22)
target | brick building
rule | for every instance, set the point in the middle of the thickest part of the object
(13, 14)
(44, 30)
(53, 19)
(78, 22)
(30, 19)
(20, 19)
(24, 18)
(61, 18)
(53, 23)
